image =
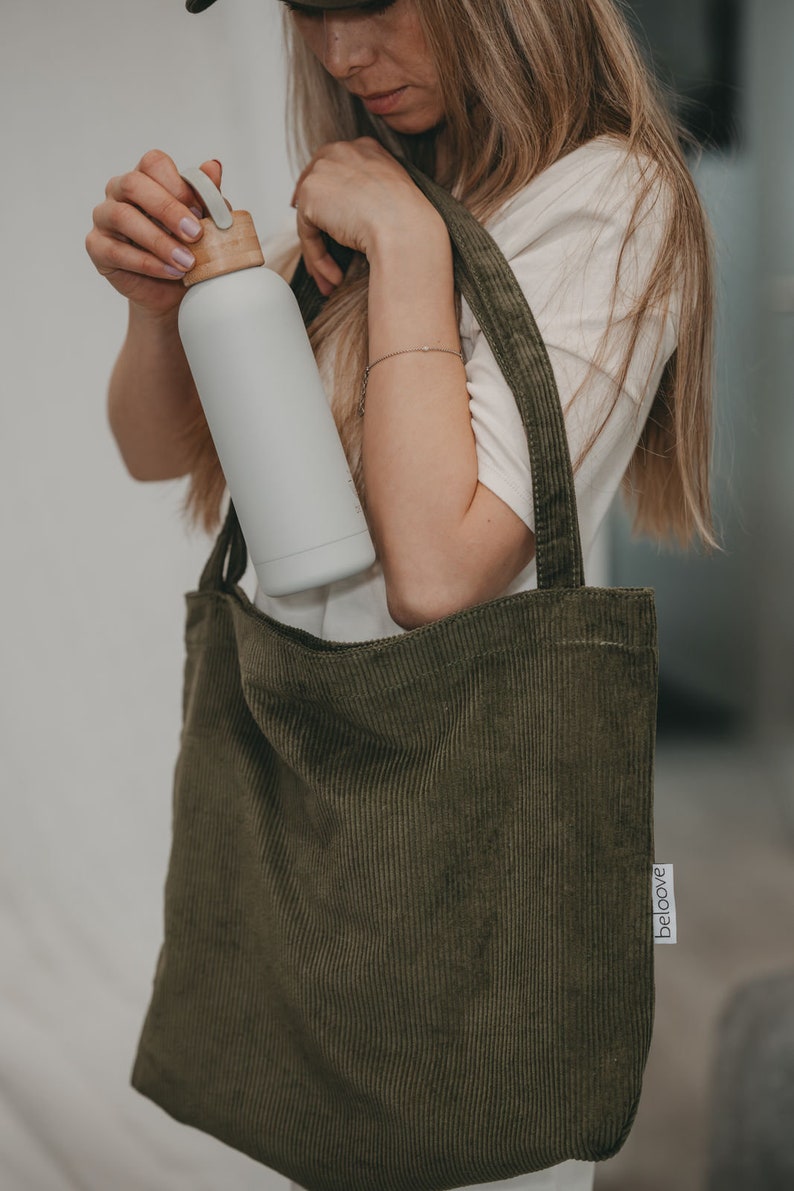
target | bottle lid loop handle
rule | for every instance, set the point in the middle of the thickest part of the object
(211, 197)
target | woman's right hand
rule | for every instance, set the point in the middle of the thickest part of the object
(142, 233)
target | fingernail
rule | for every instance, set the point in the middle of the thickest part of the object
(172, 272)
(183, 257)
(197, 211)
(189, 227)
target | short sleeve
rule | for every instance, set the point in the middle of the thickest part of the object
(562, 236)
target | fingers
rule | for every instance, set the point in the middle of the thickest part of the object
(148, 220)
(319, 263)
(124, 237)
(336, 192)
(160, 194)
(214, 171)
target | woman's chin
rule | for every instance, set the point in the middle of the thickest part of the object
(408, 125)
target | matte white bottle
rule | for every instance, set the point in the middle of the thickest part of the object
(267, 411)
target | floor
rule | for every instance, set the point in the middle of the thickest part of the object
(725, 819)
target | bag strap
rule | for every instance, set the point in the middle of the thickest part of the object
(485, 279)
(226, 564)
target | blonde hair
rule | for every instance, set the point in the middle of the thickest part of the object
(525, 83)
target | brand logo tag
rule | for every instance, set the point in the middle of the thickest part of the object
(664, 927)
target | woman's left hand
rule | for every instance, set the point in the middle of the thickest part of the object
(354, 191)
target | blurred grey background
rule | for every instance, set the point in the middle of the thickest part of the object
(95, 566)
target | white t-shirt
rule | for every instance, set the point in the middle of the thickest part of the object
(562, 235)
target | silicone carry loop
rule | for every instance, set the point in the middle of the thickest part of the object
(211, 197)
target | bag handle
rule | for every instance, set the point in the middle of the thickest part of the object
(226, 564)
(485, 279)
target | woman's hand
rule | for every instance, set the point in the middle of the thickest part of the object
(142, 232)
(141, 242)
(355, 191)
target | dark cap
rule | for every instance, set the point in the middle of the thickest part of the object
(200, 5)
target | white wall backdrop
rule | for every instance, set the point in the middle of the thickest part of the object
(94, 569)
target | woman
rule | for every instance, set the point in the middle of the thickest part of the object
(542, 120)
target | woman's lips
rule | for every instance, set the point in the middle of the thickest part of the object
(381, 104)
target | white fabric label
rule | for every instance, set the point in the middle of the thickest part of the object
(664, 926)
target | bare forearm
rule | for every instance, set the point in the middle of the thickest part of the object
(444, 541)
(152, 399)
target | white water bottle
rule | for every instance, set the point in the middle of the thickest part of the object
(266, 408)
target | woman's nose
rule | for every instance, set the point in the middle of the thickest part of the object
(347, 47)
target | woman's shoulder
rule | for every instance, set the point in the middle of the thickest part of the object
(595, 183)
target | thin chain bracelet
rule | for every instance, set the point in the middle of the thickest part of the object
(403, 352)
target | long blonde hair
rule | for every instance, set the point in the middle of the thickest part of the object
(525, 83)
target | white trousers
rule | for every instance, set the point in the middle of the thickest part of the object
(570, 1176)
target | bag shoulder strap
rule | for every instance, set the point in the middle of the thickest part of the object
(485, 279)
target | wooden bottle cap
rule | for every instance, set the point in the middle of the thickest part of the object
(225, 250)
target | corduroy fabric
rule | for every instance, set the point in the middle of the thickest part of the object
(408, 937)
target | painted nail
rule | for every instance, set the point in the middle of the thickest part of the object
(197, 211)
(189, 227)
(172, 272)
(183, 257)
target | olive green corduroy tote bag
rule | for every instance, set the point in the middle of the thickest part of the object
(408, 925)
